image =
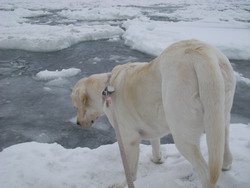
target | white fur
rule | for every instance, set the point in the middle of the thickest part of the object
(185, 91)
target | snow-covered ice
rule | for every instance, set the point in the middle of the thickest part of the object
(46, 38)
(153, 37)
(40, 165)
(100, 14)
(148, 25)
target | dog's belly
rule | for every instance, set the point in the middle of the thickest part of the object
(153, 132)
(153, 123)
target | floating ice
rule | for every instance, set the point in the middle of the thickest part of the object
(58, 82)
(58, 75)
(242, 80)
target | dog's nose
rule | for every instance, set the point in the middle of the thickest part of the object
(78, 123)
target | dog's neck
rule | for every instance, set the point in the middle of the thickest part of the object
(95, 84)
(107, 92)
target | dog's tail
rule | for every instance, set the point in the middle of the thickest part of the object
(212, 95)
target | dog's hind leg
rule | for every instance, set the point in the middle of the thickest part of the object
(186, 138)
(230, 82)
(185, 119)
(228, 158)
(230, 88)
(156, 151)
(191, 151)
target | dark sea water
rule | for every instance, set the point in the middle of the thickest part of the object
(31, 112)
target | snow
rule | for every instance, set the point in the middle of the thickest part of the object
(50, 165)
(224, 25)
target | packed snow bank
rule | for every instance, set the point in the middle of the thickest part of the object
(50, 165)
(51, 75)
(45, 38)
(153, 37)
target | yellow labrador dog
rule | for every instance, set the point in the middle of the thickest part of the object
(186, 91)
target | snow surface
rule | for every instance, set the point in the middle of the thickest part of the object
(39, 165)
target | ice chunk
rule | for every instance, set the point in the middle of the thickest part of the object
(242, 80)
(51, 75)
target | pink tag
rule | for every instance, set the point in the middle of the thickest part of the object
(109, 99)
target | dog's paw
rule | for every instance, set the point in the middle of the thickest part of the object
(157, 160)
(226, 168)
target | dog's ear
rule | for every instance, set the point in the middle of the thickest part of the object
(85, 99)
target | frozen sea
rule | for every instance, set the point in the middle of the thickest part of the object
(73, 39)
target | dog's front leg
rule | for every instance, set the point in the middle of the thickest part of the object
(132, 154)
(156, 151)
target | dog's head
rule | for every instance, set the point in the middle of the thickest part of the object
(86, 99)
